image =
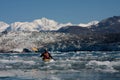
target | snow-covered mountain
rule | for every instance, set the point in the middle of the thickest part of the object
(42, 24)
(48, 25)
(69, 38)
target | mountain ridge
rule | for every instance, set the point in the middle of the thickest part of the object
(109, 25)
(42, 24)
(45, 24)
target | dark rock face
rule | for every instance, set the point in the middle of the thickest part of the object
(75, 30)
(109, 25)
(103, 36)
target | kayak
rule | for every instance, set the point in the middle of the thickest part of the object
(48, 60)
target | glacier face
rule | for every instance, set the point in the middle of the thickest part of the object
(17, 41)
(55, 41)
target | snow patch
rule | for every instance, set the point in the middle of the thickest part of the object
(89, 24)
(3, 26)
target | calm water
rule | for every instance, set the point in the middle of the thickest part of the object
(67, 66)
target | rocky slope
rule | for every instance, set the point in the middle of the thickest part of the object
(103, 36)
(109, 25)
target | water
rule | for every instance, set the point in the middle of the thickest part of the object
(81, 65)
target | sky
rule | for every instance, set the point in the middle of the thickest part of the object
(63, 11)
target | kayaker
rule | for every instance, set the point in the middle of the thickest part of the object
(46, 56)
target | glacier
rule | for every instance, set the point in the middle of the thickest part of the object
(17, 41)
